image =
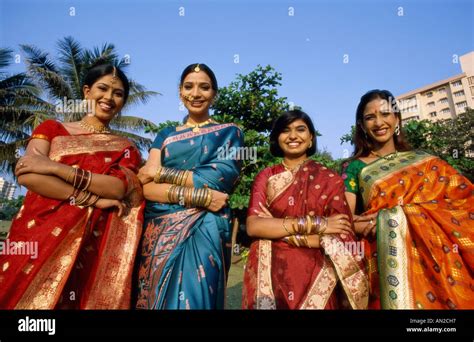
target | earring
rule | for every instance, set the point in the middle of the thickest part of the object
(397, 130)
(310, 145)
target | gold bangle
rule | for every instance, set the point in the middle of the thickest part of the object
(284, 226)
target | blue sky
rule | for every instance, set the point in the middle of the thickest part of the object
(386, 48)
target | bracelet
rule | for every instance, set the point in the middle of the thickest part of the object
(284, 226)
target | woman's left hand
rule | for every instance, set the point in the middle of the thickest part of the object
(35, 163)
(147, 173)
(265, 213)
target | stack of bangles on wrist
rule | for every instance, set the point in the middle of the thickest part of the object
(302, 226)
(171, 176)
(81, 180)
(189, 197)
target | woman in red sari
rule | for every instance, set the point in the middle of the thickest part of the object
(415, 212)
(81, 213)
(304, 247)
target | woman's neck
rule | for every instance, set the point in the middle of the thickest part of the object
(94, 120)
(197, 119)
(293, 162)
(387, 148)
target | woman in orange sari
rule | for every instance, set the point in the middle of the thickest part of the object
(420, 209)
(304, 248)
(77, 174)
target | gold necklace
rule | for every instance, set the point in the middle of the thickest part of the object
(295, 168)
(197, 127)
(93, 128)
(389, 156)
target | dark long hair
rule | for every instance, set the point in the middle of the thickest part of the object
(363, 144)
(99, 70)
(282, 122)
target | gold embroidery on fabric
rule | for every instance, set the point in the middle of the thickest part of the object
(265, 298)
(321, 289)
(354, 280)
(114, 272)
(72, 145)
(27, 269)
(395, 292)
(5, 266)
(30, 224)
(56, 231)
(45, 289)
(277, 184)
(40, 136)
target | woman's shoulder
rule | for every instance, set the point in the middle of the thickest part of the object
(49, 129)
(323, 170)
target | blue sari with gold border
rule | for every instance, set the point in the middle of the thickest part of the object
(185, 253)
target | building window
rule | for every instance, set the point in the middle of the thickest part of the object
(444, 100)
(442, 90)
(433, 114)
(431, 104)
(457, 83)
(459, 93)
(461, 105)
(444, 111)
(430, 94)
(471, 80)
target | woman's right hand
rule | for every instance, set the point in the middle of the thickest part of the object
(219, 201)
(365, 224)
(104, 203)
(147, 173)
(338, 224)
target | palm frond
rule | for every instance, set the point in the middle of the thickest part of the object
(133, 123)
(46, 72)
(142, 143)
(70, 56)
(6, 56)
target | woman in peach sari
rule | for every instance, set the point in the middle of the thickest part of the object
(420, 209)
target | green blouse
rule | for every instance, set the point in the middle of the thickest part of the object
(351, 173)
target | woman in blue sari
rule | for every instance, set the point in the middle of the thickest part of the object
(187, 179)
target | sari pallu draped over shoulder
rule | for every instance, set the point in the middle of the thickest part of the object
(423, 255)
(85, 255)
(185, 252)
(280, 276)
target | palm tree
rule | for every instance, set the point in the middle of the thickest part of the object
(63, 81)
(21, 110)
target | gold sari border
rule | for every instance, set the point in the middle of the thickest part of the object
(393, 262)
(265, 298)
(86, 144)
(278, 184)
(353, 278)
(321, 289)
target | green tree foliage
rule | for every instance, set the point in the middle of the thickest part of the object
(451, 140)
(9, 208)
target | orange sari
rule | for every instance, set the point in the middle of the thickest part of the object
(423, 255)
(85, 256)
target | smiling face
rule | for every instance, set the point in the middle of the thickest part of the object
(295, 139)
(107, 97)
(196, 93)
(379, 121)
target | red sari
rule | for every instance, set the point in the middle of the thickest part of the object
(281, 276)
(85, 255)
